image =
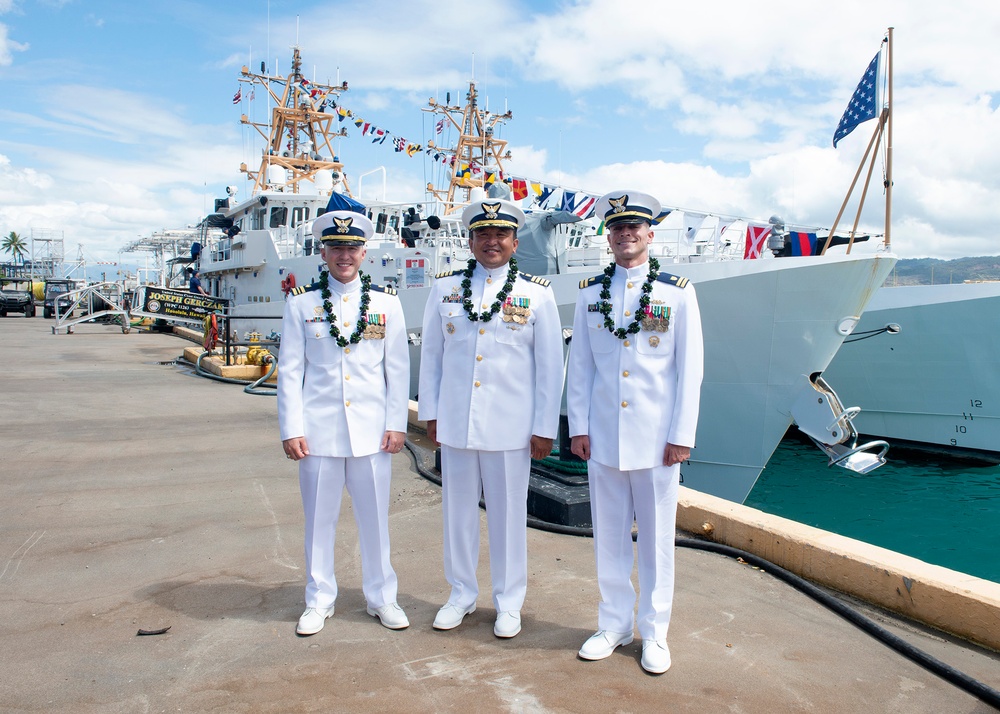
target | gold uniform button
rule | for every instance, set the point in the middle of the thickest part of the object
(489, 281)
(628, 313)
(625, 373)
(346, 323)
(347, 350)
(627, 343)
(482, 330)
(346, 298)
(347, 403)
(348, 377)
(628, 285)
(479, 358)
(477, 383)
(485, 306)
(624, 404)
(317, 334)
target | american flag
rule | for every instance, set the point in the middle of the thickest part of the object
(861, 108)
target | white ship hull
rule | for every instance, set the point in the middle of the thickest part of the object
(768, 325)
(937, 382)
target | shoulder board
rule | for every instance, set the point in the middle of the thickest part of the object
(305, 288)
(672, 279)
(388, 290)
(587, 282)
(449, 273)
(534, 279)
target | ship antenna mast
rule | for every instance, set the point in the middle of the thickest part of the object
(300, 132)
(479, 154)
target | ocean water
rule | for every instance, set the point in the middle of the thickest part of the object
(940, 511)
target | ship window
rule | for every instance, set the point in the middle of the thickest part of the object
(394, 221)
(380, 223)
(300, 214)
(258, 220)
(279, 216)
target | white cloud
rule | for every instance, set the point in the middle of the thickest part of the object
(8, 46)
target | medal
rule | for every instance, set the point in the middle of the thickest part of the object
(517, 309)
(450, 328)
(375, 330)
(656, 318)
(654, 341)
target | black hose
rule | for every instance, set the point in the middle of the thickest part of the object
(932, 664)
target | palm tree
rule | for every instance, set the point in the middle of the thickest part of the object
(14, 244)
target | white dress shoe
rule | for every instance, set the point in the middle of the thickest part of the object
(508, 624)
(391, 616)
(313, 619)
(450, 616)
(655, 656)
(603, 643)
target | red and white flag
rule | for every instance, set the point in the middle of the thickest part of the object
(756, 235)
(238, 96)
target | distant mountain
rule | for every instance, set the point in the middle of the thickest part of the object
(931, 271)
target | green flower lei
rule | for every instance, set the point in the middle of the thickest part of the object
(604, 306)
(486, 316)
(366, 284)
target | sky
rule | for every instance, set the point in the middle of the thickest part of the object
(117, 118)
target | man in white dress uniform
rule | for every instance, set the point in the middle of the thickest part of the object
(633, 392)
(343, 383)
(490, 390)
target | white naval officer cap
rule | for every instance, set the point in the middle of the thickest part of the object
(343, 228)
(627, 207)
(492, 212)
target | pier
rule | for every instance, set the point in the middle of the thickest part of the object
(138, 496)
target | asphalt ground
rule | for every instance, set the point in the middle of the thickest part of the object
(137, 495)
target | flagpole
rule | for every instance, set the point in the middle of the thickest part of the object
(857, 174)
(888, 145)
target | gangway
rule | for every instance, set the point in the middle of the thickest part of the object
(94, 301)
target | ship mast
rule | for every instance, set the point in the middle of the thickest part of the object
(299, 134)
(477, 148)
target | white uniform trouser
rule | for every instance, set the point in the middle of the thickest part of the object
(651, 495)
(502, 478)
(322, 480)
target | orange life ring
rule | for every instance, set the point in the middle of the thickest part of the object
(288, 284)
(211, 333)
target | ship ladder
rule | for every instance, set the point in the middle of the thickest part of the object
(819, 414)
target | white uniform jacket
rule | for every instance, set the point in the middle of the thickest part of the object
(342, 399)
(491, 385)
(634, 396)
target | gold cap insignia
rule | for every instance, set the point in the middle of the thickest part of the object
(343, 224)
(618, 205)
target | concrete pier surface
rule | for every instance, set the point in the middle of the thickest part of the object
(136, 495)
